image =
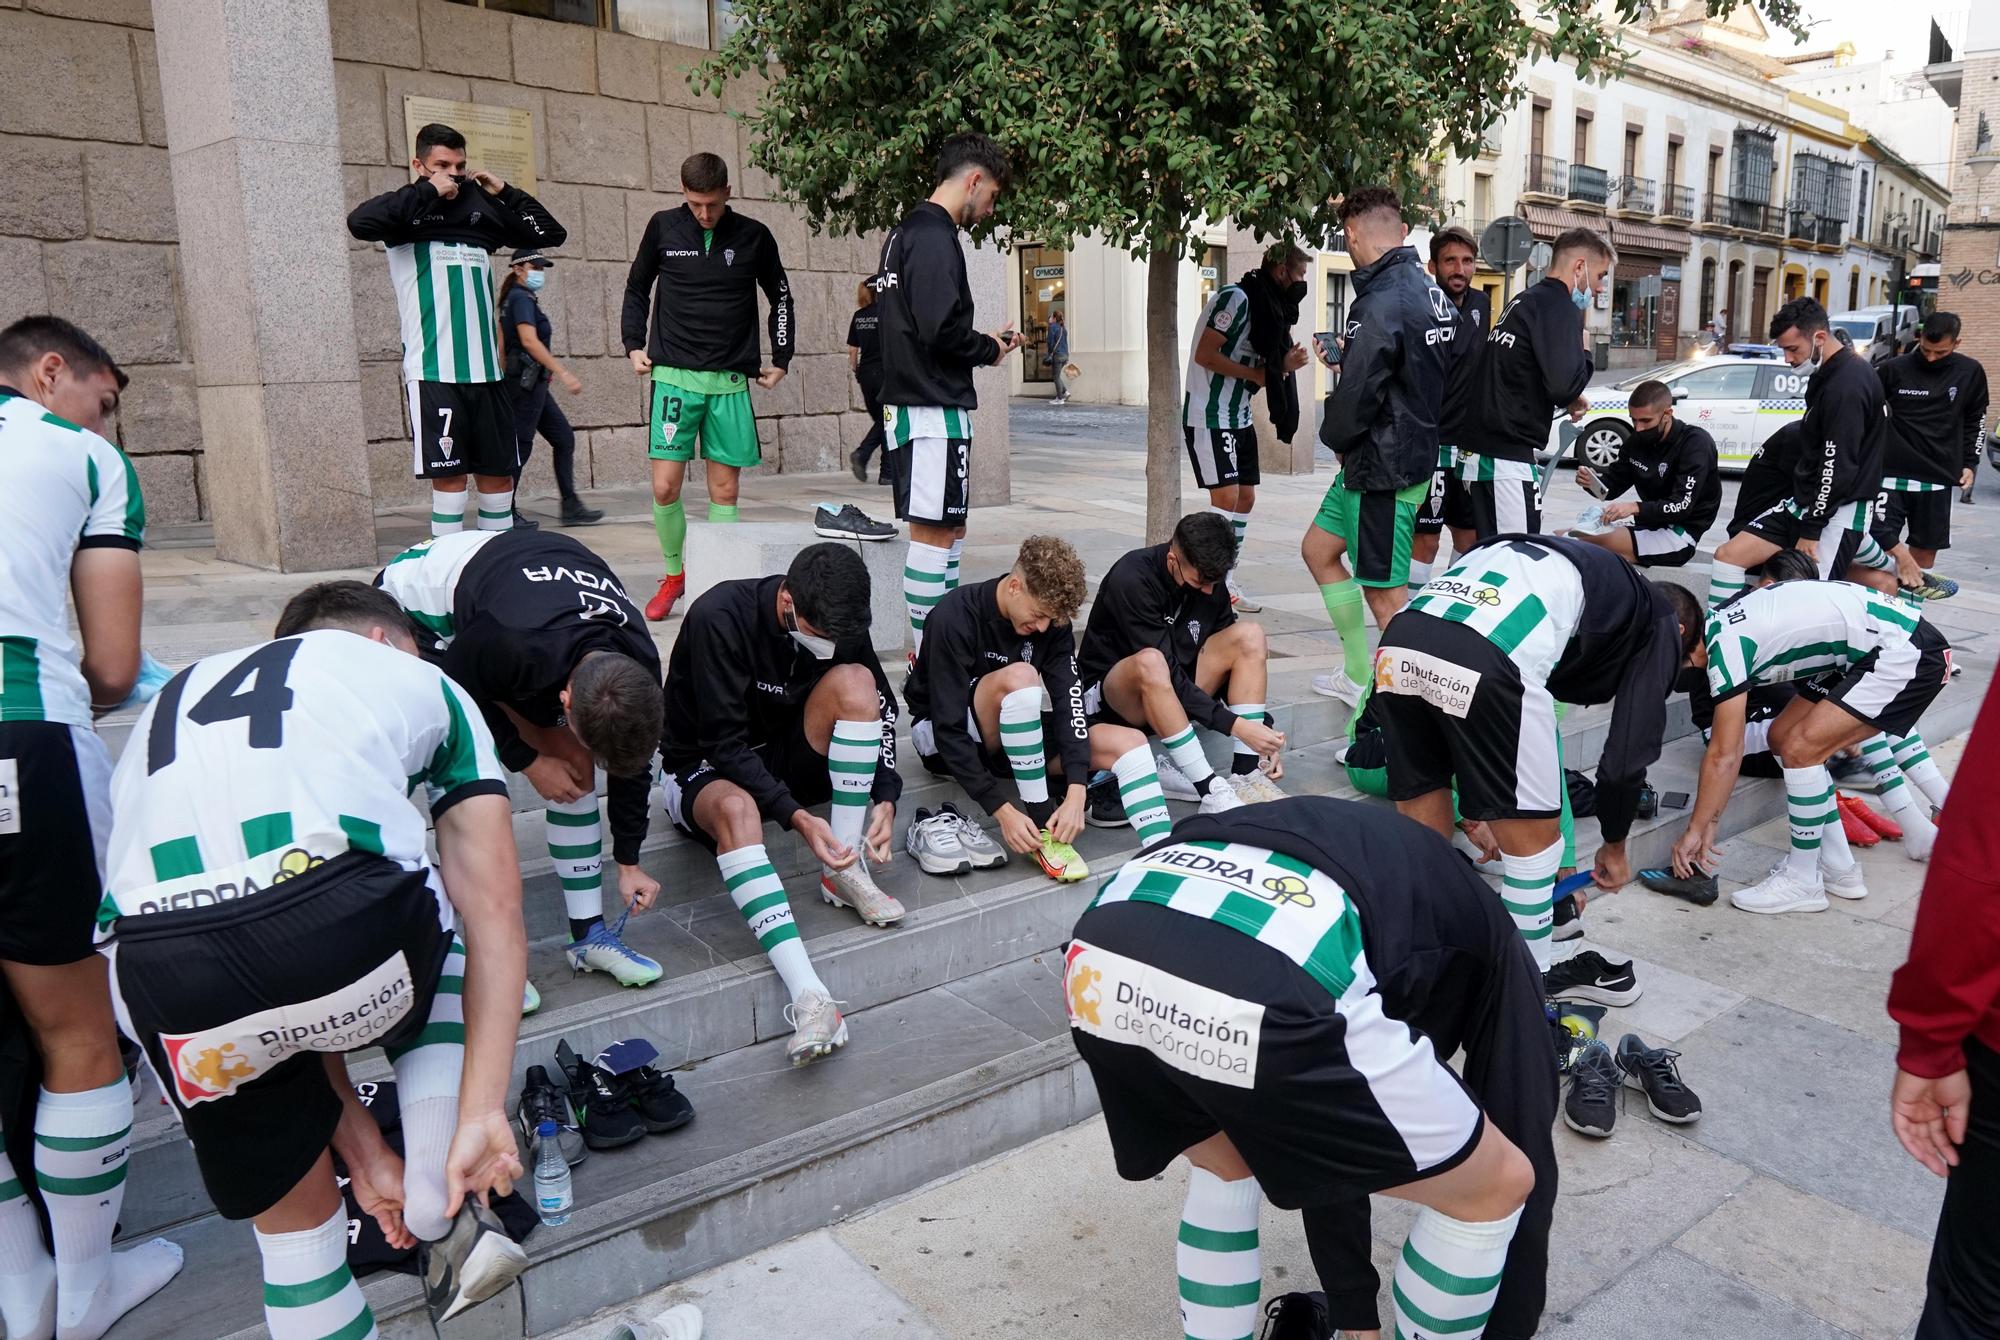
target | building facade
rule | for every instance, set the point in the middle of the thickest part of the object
(1967, 76)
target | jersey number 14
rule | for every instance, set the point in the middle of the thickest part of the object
(254, 689)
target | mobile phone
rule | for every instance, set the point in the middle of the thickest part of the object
(1327, 347)
(1674, 800)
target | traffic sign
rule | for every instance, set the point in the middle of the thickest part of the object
(1504, 245)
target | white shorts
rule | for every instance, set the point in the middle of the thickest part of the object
(1663, 546)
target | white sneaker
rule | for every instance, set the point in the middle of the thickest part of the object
(1919, 835)
(1781, 891)
(1846, 884)
(1221, 798)
(531, 999)
(817, 1028)
(680, 1322)
(854, 887)
(1337, 685)
(1243, 604)
(1255, 788)
(1174, 783)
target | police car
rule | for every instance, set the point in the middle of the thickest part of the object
(1741, 397)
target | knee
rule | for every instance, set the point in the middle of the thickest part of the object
(736, 814)
(1117, 741)
(666, 494)
(1150, 666)
(853, 690)
(1513, 1182)
(1249, 638)
(1020, 675)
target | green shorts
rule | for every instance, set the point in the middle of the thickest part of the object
(1377, 527)
(724, 423)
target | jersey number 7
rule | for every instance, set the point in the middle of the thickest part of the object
(254, 689)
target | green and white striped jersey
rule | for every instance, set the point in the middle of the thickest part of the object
(445, 296)
(1276, 900)
(1527, 607)
(1795, 630)
(255, 765)
(62, 488)
(1213, 400)
(904, 423)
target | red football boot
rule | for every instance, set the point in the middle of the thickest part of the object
(1874, 818)
(1859, 834)
(662, 603)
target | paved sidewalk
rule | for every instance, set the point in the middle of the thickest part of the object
(1789, 1212)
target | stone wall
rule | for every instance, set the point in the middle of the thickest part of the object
(613, 118)
(1969, 270)
(87, 218)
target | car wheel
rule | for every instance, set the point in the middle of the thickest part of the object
(1603, 444)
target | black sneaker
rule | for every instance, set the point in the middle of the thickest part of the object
(604, 1110)
(858, 463)
(1590, 976)
(1591, 1105)
(850, 523)
(1297, 1316)
(522, 521)
(1652, 1070)
(1844, 766)
(1106, 809)
(660, 1105)
(1701, 890)
(542, 1100)
(576, 513)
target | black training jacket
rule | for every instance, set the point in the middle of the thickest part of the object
(1676, 479)
(704, 300)
(417, 212)
(966, 639)
(929, 343)
(1382, 417)
(1844, 434)
(737, 680)
(1139, 605)
(1767, 480)
(1534, 364)
(530, 605)
(1474, 318)
(1935, 413)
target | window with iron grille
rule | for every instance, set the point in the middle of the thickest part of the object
(1753, 165)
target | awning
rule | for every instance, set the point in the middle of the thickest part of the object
(1648, 238)
(1548, 222)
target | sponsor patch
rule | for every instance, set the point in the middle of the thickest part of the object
(1442, 684)
(1204, 1033)
(10, 796)
(215, 1062)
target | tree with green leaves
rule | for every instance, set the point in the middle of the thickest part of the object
(1138, 121)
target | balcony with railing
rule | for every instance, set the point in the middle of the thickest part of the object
(1634, 195)
(1933, 246)
(1547, 176)
(1588, 185)
(1751, 215)
(1677, 202)
(1803, 224)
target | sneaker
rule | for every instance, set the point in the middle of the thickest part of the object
(855, 888)
(857, 465)
(602, 951)
(1590, 976)
(1239, 602)
(1104, 807)
(1174, 783)
(602, 1108)
(1847, 884)
(1701, 889)
(1781, 891)
(522, 521)
(1568, 1042)
(1879, 823)
(1844, 766)
(1591, 1106)
(851, 523)
(1221, 798)
(1569, 906)
(1337, 685)
(1859, 834)
(531, 999)
(1652, 1071)
(542, 1101)
(679, 1322)
(980, 849)
(1934, 588)
(662, 603)
(575, 512)
(1059, 860)
(661, 1106)
(1254, 788)
(1297, 1316)
(937, 845)
(818, 1029)
(469, 1264)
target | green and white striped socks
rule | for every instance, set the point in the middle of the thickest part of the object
(27, 1273)
(1449, 1274)
(759, 895)
(1021, 740)
(309, 1293)
(1724, 581)
(1915, 761)
(1809, 806)
(1216, 1256)
(1186, 752)
(448, 511)
(1919, 833)
(1239, 523)
(1139, 789)
(496, 510)
(427, 1076)
(1870, 554)
(575, 834)
(851, 759)
(1528, 890)
(956, 552)
(1243, 758)
(924, 569)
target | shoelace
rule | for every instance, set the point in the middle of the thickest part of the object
(800, 1016)
(1659, 1063)
(1596, 1078)
(611, 936)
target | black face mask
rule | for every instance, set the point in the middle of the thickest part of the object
(1296, 292)
(1652, 437)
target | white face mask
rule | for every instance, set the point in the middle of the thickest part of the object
(820, 648)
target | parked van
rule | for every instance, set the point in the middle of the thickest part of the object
(1866, 326)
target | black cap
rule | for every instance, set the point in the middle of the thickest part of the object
(531, 256)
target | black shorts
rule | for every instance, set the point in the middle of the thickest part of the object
(1222, 456)
(1927, 515)
(931, 478)
(237, 1003)
(462, 428)
(1097, 712)
(1447, 505)
(1497, 741)
(1312, 1125)
(1890, 687)
(1837, 545)
(55, 816)
(791, 759)
(923, 738)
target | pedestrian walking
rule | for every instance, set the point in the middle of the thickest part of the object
(525, 330)
(1058, 355)
(864, 360)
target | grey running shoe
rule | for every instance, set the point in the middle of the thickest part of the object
(854, 887)
(937, 844)
(473, 1261)
(1652, 1071)
(980, 849)
(1254, 788)
(1591, 1106)
(850, 523)
(817, 1028)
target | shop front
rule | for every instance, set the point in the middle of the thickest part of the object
(1044, 283)
(1646, 294)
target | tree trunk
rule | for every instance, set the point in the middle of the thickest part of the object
(1163, 391)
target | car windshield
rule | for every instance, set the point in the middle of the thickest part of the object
(1858, 327)
(1656, 374)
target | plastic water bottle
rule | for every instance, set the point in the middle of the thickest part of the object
(553, 1194)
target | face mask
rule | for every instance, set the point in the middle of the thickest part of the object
(820, 648)
(1581, 297)
(1649, 438)
(533, 281)
(1296, 292)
